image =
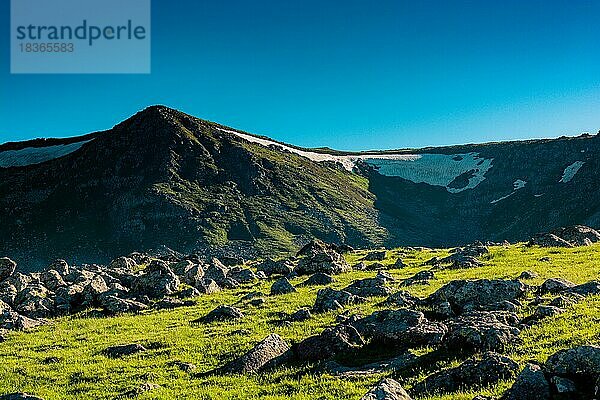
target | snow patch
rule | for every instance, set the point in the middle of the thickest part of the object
(517, 185)
(570, 171)
(36, 155)
(436, 169)
(433, 169)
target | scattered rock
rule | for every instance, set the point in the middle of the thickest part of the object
(157, 281)
(124, 350)
(548, 240)
(526, 275)
(401, 298)
(282, 286)
(7, 267)
(402, 328)
(531, 384)
(371, 287)
(318, 279)
(488, 370)
(143, 388)
(221, 313)
(302, 314)
(578, 235)
(333, 340)
(543, 312)
(420, 278)
(270, 267)
(328, 262)
(586, 289)
(378, 255)
(482, 330)
(208, 286)
(386, 389)
(19, 396)
(466, 295)
(555, 285)
(329, 300)
(272, 351)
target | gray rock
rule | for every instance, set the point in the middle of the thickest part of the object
(61, 266)
(563, 385)
(466, 295)
(370, 287)
(402, 328)
(114, 305)
(578, 361)
(243, 275)
(578, 235)
(123, 350)
(377, 255)
(270, 352)
(555, 285)
(544, 312)
(270, 267)
(531, 384)
(333, 340)
(526, 275)
(35, 302)
(420, 278)
(401, 298)
(190, 292)
(123, 263)
(11, 320)
(488, 370)
(140, 389)
(7, 267)
(386, 389)
(221, 313)
(302, 314)
(329, 300)
(482, 330)
(52, 279)
(586, 289)
(328, 262)
(208, 286)
(282, 286)
(157, 281)
(318, 279)
(548, 240)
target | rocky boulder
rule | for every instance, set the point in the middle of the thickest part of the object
(318, 279)
(221, 313)
(531, 384)
(7, 268)
(270, 267)
(402, 328)
(474, 372)
(157, 281)
(555, 285)
(282, 286)
(333, 340)
(329, 300)
(466, 295)
(386, 389)
(271, 351)
(481, 330)
(328, 262)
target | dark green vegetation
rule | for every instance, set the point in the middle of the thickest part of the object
(81, 371)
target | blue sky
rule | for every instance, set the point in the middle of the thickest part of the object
(345, 74)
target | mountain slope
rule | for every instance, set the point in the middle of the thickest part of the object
(166, 178)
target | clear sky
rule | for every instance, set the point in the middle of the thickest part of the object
(346, 74)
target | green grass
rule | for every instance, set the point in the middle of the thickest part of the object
(83, 372)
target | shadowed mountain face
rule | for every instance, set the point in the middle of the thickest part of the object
(165, 178)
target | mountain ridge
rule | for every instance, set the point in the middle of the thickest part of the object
(163, 177)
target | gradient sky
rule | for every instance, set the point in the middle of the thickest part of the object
(346, 74)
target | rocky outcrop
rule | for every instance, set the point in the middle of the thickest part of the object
(329, 300)
(481, 331)
(466, 295)
(282, 286)
(402, 328)
(327, 261)
(474, 372)
(333, 340)
(386, 389)
(270, 352)
(221, 313)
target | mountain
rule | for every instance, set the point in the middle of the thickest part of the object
(164, 178)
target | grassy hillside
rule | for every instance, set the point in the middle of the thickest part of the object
(64, 360)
